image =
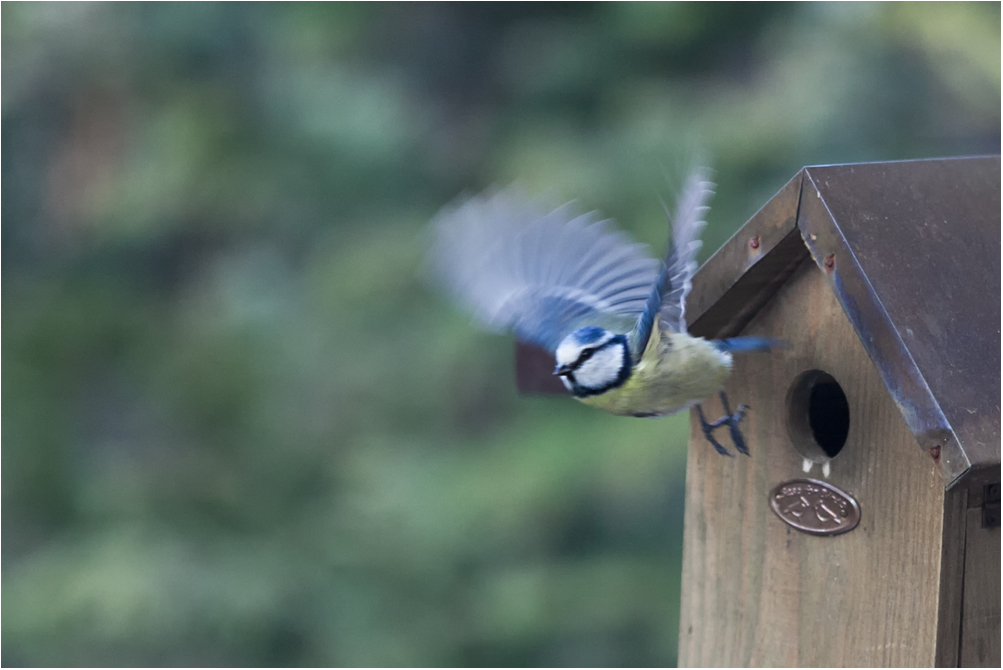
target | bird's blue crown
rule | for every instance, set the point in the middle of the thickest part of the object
(589, 334)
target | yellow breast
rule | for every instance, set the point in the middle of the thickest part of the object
(676, 372)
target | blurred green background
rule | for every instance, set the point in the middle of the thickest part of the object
(240, 430)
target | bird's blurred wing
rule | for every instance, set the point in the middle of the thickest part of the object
(687, 224)
(540, 275)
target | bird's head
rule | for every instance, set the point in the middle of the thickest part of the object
(593, 360)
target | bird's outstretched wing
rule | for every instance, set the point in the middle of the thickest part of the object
(687, 224)
(667, 298)
(539, 274)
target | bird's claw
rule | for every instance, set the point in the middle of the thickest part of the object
(732, 421)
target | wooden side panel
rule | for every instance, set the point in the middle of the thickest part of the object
(952, 577)
(980, 611)
(756, 592)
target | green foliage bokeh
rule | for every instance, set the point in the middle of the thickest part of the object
(239, 429)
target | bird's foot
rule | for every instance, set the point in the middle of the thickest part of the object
(708, 429)
(729, 419)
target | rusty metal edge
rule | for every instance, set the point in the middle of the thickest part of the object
(877, 333)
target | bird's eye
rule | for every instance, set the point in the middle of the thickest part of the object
(585, 355)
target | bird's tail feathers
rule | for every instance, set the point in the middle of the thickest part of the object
(741, 345)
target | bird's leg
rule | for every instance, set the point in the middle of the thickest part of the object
(732, 421)
(708, 429)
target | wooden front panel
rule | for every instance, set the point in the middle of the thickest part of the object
(756, 592)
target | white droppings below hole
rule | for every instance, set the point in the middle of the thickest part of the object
(806, 465)
(826, 469)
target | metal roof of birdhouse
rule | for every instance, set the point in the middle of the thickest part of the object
(911, 250)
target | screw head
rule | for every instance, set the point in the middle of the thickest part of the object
(830, 261)
(754, 242)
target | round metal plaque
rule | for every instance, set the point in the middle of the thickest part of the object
(815, 507)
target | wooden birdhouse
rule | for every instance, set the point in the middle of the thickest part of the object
(864, 529)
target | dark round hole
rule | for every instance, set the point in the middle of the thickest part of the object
(829, 416)
(818, 415)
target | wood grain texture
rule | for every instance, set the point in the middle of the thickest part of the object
(756, 592)
(952, 577)
(980, 617)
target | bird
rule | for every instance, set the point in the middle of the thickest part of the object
(613, 317)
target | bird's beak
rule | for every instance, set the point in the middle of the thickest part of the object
(562, 370)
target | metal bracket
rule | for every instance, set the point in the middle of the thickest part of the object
(991, 506)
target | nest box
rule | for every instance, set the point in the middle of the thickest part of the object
(864, 528)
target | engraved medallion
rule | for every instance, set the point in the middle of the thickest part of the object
(815, 507)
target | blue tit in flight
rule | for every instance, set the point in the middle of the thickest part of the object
(612, 316)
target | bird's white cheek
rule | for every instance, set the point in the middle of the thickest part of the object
(567, 384)
(602, 369)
